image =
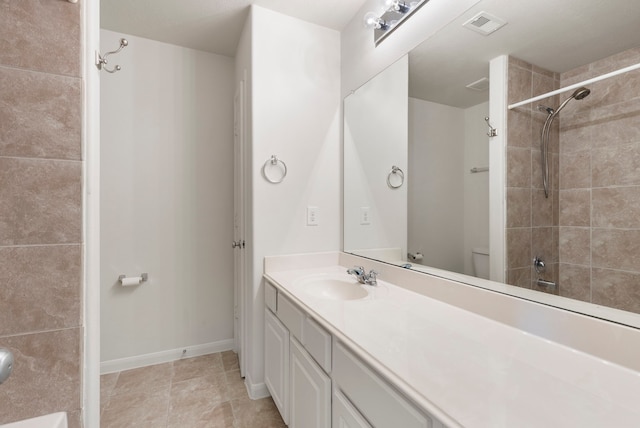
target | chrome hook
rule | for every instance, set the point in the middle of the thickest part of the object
(492, 131)
(101, 61)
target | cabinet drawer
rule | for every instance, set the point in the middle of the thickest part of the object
(291, 316)
(380, 404)
(271, 296)
(317, 341)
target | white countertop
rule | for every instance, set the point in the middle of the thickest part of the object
(469, 370)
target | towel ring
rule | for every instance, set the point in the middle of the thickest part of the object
(274, 161)
(395, 171)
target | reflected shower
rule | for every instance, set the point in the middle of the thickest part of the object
(579, 94)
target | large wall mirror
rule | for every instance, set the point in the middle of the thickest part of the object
(417, 164)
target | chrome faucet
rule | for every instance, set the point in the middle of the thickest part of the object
(363, 277)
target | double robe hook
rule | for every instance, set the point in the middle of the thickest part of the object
(101, 61)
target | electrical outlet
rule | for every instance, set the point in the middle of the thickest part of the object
(312, 216)
(365, 216)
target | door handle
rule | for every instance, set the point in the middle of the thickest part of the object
(237, 244)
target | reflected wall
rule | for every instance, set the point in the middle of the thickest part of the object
(375, 140)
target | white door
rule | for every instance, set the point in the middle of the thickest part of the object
(238, 225)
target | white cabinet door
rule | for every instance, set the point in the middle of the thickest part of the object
(310, 392)
(276, 362)
(344, 415)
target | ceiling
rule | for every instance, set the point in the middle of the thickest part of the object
(212, 25)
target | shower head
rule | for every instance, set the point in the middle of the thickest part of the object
(579, 94)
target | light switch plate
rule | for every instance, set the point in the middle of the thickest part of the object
(312, 216)
(365, 216)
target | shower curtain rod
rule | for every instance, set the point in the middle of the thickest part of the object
(575, 85)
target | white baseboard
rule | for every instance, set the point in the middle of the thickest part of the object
(256, 390)
(137, 361)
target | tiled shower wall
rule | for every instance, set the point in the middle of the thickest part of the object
(588, 231)
(600, 187)
(41, 207)
(532, 219)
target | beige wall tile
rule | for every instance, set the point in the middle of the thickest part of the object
(46, 375)
(575, 282)
(41, 35)
(555, 237)
(40, 115)
(617, 207)
(40, 288)
(519, 127)
(518, 167)
(542, 244)
(576, 75)
(575, 207)
(40, 201)
(575, 245)
(520, 277)
(616, 127)
(516, 62)
(616, 289)
(519, 248)
(576, 134)
(616, 249)
(555, 196)
(616, 165)
(536, 169)
(542, 208)
(518, 207)
(575, 170)
(520, 85)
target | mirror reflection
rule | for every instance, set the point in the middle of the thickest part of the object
(578, 241)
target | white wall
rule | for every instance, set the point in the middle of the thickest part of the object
(448, 206)
(375, 140)
(436, 189)
(295, 103)
(476, 186)
(167, 199)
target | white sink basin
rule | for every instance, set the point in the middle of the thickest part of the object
(333, 288)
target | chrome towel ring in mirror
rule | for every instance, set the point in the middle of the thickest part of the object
(395, 172)
(274, 163)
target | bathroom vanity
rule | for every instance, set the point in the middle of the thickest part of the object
(343, 354)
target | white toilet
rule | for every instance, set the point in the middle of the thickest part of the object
(480, 257)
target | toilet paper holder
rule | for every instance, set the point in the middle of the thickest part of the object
(143, 277)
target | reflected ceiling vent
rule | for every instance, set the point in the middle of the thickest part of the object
(484, 23)
(479, 85)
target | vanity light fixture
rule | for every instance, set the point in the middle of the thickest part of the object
(398, 6)
(373, 21)
(394, 13)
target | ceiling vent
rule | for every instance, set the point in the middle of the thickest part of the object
(479, 85)
(484, 23)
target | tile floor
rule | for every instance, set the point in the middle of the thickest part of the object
(194, 392)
